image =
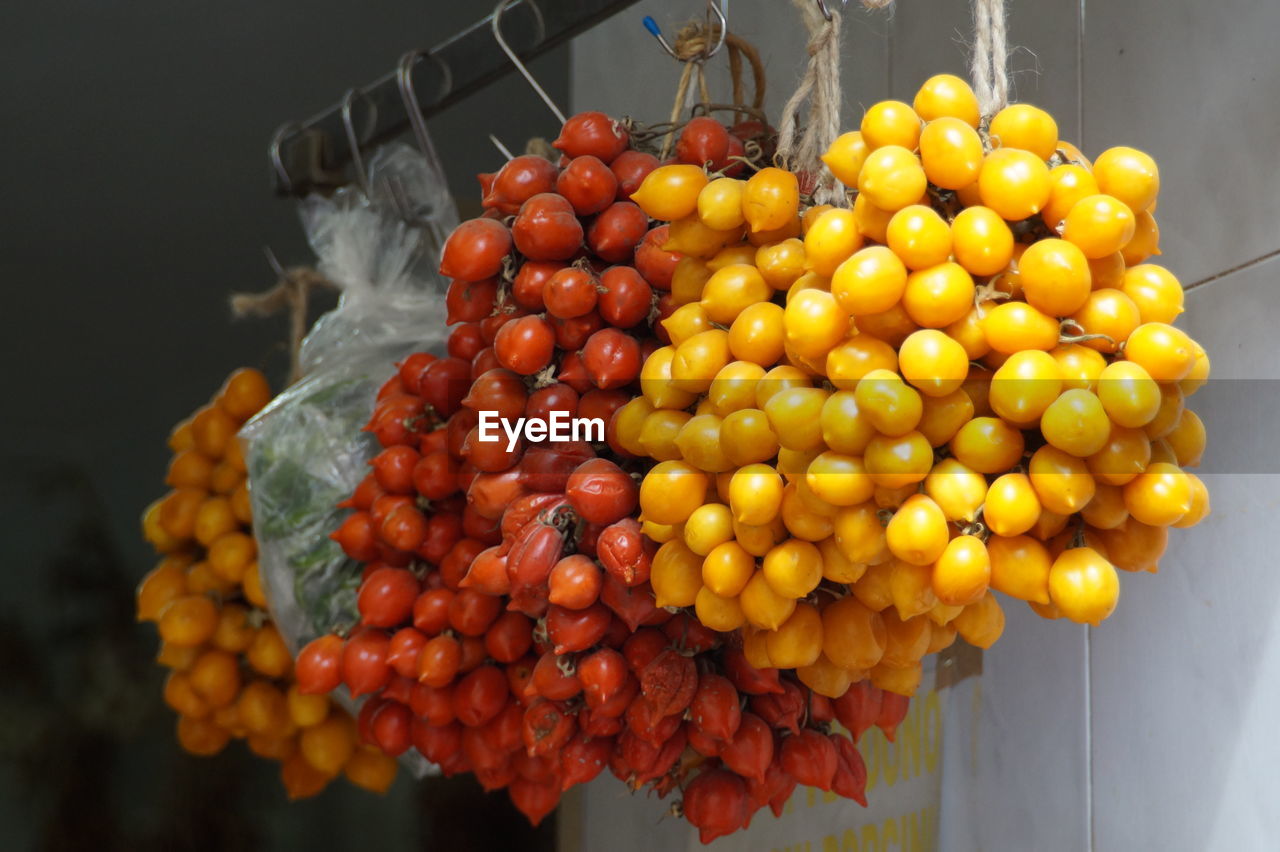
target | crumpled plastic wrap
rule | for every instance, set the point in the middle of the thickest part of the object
(306, 451)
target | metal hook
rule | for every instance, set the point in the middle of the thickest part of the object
(495, 20)
(412, 107)
(826, 12)
(502, 149)
(353, 138)
(720, 11)
(276, 160)
(723, 15)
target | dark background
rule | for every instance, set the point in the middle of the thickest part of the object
(136, 197)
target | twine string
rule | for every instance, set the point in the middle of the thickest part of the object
(291, 292)
(990, 56)
(801, 150)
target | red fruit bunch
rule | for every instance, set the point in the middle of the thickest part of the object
(507, 625)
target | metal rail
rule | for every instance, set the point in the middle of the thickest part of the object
(314, 153)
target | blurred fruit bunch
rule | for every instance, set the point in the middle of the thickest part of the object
(231, 675)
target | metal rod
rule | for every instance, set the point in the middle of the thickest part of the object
(313, 153)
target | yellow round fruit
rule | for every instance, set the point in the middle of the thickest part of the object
(918, 531)
(939, 295)
(1025, 127)
(762, 606)
(1159, 496)
(1014, 183)
(981, 240)
(1156, 292)
(919, 236)
(1020, 567)
(933, 362)
(962, 572)
(958, 490)
(1083, 585)
(1076, 423)
(1099, 225)
(947, 96)
(892, 178)
(670, 192)
(1062, 481)
(671, 491)
(870, 281)
(890, 123)
(1055, 277)
(845, 157)
(951, 153)
(1129, 175)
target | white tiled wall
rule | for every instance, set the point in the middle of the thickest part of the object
(1157, 730)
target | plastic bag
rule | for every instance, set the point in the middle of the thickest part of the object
(306, 451)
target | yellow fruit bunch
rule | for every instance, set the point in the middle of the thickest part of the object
(231, 675)
(869, 419)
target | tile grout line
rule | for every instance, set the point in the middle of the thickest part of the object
(1240, 267)
(1088, 732)
(1088, 633)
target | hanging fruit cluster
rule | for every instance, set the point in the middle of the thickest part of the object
(508, 625)
(231, 675)
(868, 420)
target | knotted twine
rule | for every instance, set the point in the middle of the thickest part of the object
(801, 151)
(990, 56)
(291, 292)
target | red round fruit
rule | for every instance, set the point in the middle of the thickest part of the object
(593, 134)
(393, 469)
(545, 400)
(553, 677)
(444, 384)
(616, 232)
(525, 345)
(439, 660)
(655, 265)
(465, 341)
(386, 598)
(601, 492)
(403, 650)
(431, 611)
(602, 673)
(546, 228)
(404, 528)
(475, 250)
(391, 726)
(364, 662)
(319, 666)
(410, 370)
(519, 180)
(715, 802)
(575, 582)
(714, 710)
(750, 751)
(470, 301)
(357, 536)
(625, 297)
(588, 184)
(810, 758)
(434, 705)
(480, 695)
(703, 142)
(499, 391)
(471, 612)
(509, 637)
(570, 293)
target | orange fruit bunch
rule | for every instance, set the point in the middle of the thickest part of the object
(230, 673)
